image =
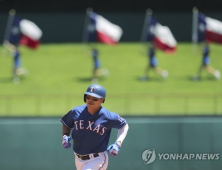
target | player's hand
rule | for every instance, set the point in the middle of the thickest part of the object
(113, 149)
(65, 141)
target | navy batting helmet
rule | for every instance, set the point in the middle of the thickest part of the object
(95, 90)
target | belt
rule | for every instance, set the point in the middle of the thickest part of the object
(87, 157)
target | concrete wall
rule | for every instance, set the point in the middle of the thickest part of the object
(35, 143)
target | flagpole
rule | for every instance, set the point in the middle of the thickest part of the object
(147, 19)
(195, 28)
(85, 29)
(11, 16)
(9, 24)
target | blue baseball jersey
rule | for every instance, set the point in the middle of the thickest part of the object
(91, 133)
(16, 55)
(206, 59)
(152, 59)
(96, 61)
(206, 50)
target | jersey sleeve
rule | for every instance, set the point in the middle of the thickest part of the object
(117, 121)
(68, 119)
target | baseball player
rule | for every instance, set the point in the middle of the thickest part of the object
(17, 66)
(89, 126)
(206, 64)
(153, 62)
(96, 63)
(97, 72)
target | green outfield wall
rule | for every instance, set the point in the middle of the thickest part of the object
(68, 27)
(35, 143)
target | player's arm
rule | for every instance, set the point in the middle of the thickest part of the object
(65, 130)
(122, 132)
(115, 148)
(67, 126)
(66, 136)
(9, 46)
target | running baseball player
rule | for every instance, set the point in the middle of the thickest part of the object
(96, 63)
(97, 70)
(89, 126)
(17, 66)
(153, 64)
(205, 64)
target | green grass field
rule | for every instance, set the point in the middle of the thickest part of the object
(60, 73)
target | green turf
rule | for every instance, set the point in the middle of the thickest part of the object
(60, 73)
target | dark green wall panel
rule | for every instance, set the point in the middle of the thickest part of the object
(68, 27)
(35, 143)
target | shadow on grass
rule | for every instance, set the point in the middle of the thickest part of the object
(150, 79)
(5, 80)
(88, 79)
(208, 78)
(83, 79)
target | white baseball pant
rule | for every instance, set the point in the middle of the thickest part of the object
(97, 163)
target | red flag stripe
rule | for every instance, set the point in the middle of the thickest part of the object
(104, 38)
(26, 41)
(213, 37)
(162, 46)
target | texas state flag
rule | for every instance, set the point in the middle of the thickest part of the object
(161, 36)
(24, 32)
(209, 29)
(102, 30)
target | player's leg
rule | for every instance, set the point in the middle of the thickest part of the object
(209, 69)
(101, 71)
(212, 71)
(94, 77)
(161, 72)
(198, 76)
(157, 70)
(80, 163)
(217, 74)
(100, 162)
(16, 65)
(164, 73)
(105, 72)
(146, 73)
(147, 70)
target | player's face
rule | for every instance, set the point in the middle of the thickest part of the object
(93, 101)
